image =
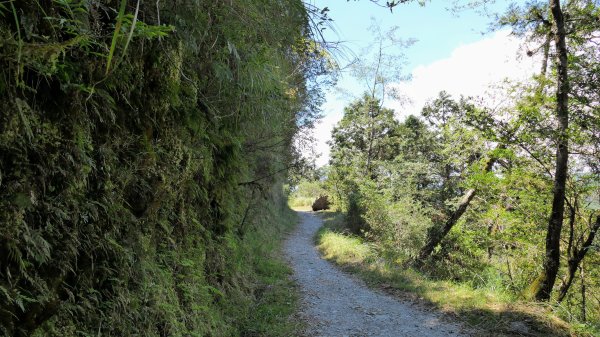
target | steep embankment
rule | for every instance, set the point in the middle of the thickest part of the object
(139, 146)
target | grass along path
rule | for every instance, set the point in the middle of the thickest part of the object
(276, 296)
(487, 313)
(337, 304)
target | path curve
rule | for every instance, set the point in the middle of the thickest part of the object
(336, 304)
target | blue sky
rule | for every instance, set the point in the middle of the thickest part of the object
(437, 29)
(454, 52)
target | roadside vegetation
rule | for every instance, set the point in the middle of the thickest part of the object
(304, 194)
(484, 207)
(486, 309)
(143, 150)
(272, 310)
(149, 152)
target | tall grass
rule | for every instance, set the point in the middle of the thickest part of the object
(301, 202)
(276, 296)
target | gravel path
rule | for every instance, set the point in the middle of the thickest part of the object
(336, 304)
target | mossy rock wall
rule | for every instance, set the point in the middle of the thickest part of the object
(130, 175)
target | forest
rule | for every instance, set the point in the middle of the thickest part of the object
(150, 152)
(502, 197)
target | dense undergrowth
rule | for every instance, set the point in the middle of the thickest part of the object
(449, 195)
(487, 310)
(143, 147)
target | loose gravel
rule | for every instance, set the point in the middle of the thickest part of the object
(337, 304)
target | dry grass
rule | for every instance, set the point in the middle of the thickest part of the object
(301, 208)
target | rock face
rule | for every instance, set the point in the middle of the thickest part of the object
(322, 203)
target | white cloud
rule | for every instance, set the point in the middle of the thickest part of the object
(468, 71)
(333, 110)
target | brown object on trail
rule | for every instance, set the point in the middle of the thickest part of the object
(322, 203)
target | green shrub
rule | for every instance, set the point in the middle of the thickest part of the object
(305, 193)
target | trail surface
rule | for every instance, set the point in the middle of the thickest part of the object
(337, 304)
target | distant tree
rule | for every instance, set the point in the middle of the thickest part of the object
(448, 117)
(379, 67)
(560, 117)
(367, 133)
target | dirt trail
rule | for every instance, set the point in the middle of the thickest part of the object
(337, 304)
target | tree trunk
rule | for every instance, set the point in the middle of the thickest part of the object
(436, 235)
(552, 258)
(577, 258)
(368, 172)
(583, 297)
(546, 55)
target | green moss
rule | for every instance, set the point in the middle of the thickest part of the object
(124, 208)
